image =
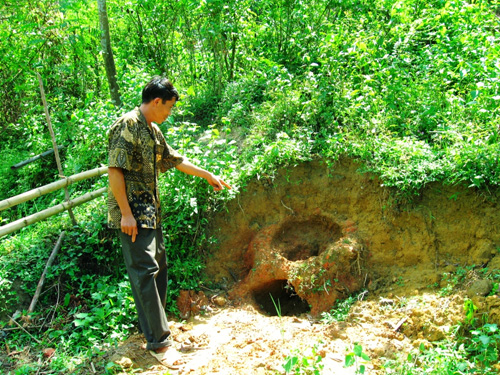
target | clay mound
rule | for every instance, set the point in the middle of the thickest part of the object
(302, 264)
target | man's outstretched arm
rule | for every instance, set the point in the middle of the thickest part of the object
(189, 168)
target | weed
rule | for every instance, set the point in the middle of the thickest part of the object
(469, 350)
(400, 281)
(299, 362)
(277, 305)
(483, 346)
(454, 279)
(469, 310)
(357, 358)
(341, 309)
(444, 358)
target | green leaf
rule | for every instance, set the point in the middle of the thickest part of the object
(485, 340)
(290, 364)
(67, 299)
(490, 328)
(358, 350)
(349, 360)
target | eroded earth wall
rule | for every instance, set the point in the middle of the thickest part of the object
(446, 226)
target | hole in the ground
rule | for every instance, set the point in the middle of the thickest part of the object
(300, 239)
(278, 298)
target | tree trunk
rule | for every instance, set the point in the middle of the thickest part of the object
(107, 53)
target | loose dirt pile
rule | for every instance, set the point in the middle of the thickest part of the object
(290, 245)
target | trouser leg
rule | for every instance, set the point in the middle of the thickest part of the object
(146, 264)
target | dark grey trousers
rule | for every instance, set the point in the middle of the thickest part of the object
(146, 264)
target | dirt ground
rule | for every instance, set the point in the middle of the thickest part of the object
(296, 242)
(243, 340)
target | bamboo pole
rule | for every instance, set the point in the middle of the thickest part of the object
(28, 220)
(44, 273)
(54, 144)
(35, 193)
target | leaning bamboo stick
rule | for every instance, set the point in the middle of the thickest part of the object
(44, 273)
(54, 144)
(28, 220)
(25, 331)
(35, 193)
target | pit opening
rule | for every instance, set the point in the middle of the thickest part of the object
(278, 298)
(300, 239)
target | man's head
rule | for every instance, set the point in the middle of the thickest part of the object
(158, 99)
(159, 87)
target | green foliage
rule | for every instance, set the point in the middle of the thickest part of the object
(469, 310)
(445, 358)
(79, 331)
(483, 346)
(300, 362)
(357, 358)
(340, 311)
(110, 314)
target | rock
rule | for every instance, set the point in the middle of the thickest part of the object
(220, 301)
(124, 362)
(482, 251)
(434, 333)
(386, 301)
(480, 288)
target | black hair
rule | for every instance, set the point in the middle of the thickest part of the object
(159, 87)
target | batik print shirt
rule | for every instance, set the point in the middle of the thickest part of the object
(141, 152)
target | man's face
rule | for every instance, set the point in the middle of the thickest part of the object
(162, 110)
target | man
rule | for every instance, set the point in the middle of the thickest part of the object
(137, 153)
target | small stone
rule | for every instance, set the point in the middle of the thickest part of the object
(220, 301)
(124, 362)
(186, 327)
(480, 288)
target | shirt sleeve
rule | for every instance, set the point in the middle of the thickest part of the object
(121, 145)
(170, 158)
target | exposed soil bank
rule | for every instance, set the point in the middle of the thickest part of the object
(326, 232)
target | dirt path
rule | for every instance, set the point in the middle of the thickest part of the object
(243, 340)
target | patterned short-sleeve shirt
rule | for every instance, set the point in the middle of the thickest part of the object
(141, 152)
